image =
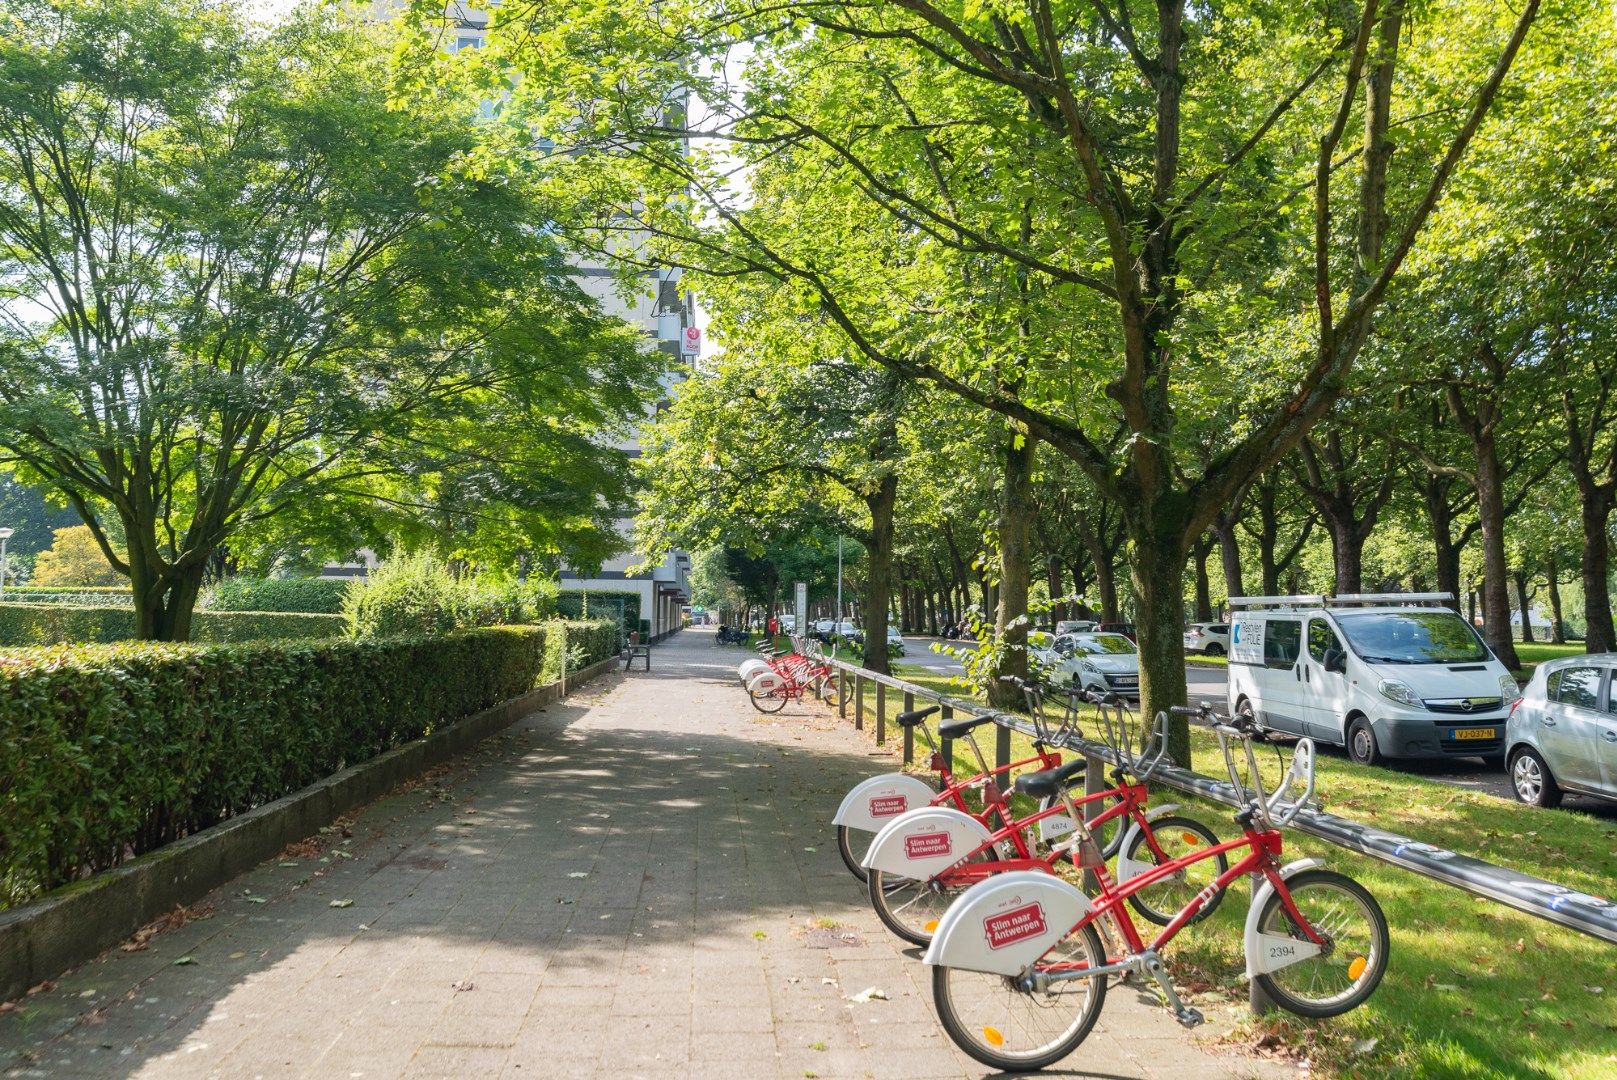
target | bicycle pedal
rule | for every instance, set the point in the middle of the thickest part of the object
(1190, 1017)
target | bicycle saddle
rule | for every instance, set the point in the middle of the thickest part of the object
(953, 729)
(1039, 785)
(913, 717)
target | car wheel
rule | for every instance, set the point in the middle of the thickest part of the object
(1531, 781)
(1361, 743)
(1214, 649)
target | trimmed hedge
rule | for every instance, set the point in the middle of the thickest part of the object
(587, 643)
(623, 605)
(322, 596)
(72, 595)
(108, 751)
(55, 624)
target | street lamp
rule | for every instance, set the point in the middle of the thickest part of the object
(5, 534)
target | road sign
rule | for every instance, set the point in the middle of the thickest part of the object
(690, 342)
(802, 607)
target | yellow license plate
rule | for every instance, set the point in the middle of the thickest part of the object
(1476, 733)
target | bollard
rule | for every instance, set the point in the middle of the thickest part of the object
(881, 714)
(909, 732)
(842, 694)
(1259, 1002)
(859, 703)
(946, 746)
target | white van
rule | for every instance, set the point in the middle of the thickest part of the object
(1384, 674)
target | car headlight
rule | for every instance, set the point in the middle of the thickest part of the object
(1087, 666)
(1508, 689)
(1393, 690)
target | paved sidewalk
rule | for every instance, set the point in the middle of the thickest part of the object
(641, 881)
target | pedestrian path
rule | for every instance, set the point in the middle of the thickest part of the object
(641, 881)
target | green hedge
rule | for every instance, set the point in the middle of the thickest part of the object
(72, 595)
(587, 643)
(317, 595)
(107, 751)
(59, 624)
(622, 606)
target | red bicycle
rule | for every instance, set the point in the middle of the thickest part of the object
(1019, 971)
(873, 803)
(923, 860)
(776, 678)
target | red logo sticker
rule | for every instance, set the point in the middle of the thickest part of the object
(888, 805)
(1017, 924)
(926, 845)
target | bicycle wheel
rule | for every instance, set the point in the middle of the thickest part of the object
(1016, 1030)
(831, 692)
(852, 844)
(1349, 969)
(1176, 836)
(767, 703)
(911, 907)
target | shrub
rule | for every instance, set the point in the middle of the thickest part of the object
(53, 624)
(586, 643)
(317, 595)
(112, 750)
(74, 596)
(416, 594)
(620, 604)
(74, 558)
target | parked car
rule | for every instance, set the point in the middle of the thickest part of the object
(895, 641)
(1103, 662)
(1124, 628)
(822, 629)
(1075, 626)
(1210, 639)
(788, 623)
(845, 630)
(1384, 674)
(1562, 734)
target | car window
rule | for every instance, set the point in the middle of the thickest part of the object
(1580, 686)
(1219, 628)
(1321, 638)
(1097, 644)
(1282, 639)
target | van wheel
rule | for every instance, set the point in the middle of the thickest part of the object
(1531, 782)
(1361, 743)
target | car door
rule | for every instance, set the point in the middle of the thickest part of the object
(1281, 679)
(1325, 692)
(1569, 729)
(1606, 737)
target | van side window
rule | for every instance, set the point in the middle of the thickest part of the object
(1580, 686)
(1282, 641)
(1321, 639)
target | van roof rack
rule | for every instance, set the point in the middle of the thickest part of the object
(1276, 601)
(1390, 599)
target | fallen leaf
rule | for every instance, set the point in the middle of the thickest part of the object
(867, 995)
(341, 903)
(578, 874)
(1364, 1046)
(184, 961)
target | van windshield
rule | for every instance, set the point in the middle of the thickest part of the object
(1412, 637)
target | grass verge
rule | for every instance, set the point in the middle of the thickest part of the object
(1475, 990)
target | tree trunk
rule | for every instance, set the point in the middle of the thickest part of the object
(1016, 509)
(1520, 577)
(1229, 549)
(1347, 550)
(1495, 566)
(879, 573)
(1204, 590)
(1557, 627)
(1446, 553)
(1052, 579)
(1158, 573)
(1598, 636)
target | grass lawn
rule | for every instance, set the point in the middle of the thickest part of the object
(1474, 989)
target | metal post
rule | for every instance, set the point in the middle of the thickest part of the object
(909, 732)
(946, 746)
(881, 714)
(1094, 784)
(1002, 754)
(842, 694)
(859, 703)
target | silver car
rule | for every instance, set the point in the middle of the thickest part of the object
(1562, 734)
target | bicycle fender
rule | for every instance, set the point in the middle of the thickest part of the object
(875, 802)
(1003, 924)
(1271, 952)
(749, 668)
(925, 842)
(765, 682)
(1127, 867)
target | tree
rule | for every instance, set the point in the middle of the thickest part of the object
(241, 281)
(1144, 164)
(74, 558)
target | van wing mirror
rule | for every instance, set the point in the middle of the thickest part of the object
(1336, 660)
